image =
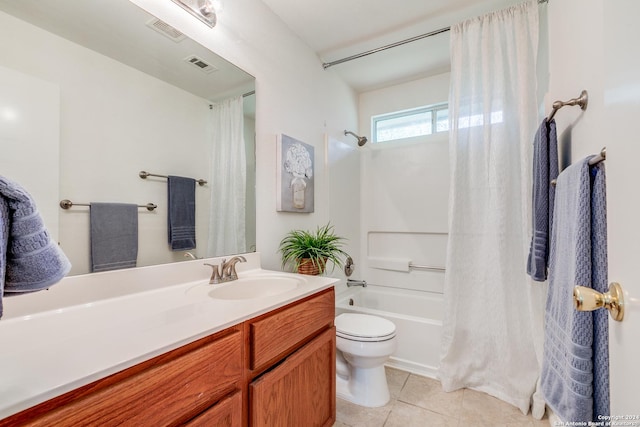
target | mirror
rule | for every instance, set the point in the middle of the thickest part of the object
(121, 92)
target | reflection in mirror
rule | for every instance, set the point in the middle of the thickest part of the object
(122, 92)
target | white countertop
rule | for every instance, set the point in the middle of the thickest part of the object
(59, 347)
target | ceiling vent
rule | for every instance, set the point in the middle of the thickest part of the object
(200, 64)
(166, 30)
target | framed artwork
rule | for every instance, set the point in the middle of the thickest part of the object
(295, 175)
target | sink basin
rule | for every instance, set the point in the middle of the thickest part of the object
(248, 287)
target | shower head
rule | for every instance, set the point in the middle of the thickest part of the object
(361, 139)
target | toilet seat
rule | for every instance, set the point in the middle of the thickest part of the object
(364, 327)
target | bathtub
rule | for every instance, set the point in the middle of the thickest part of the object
(418, 318)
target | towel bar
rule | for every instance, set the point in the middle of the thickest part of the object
(582, 101)
(67, 204)
(594, 160)
(144, 175)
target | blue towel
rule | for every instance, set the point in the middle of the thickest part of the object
(114, 236)
(545, 170)
(182, 213)
(4, 240)
(29, 259)
(573, 342)
(599, 282)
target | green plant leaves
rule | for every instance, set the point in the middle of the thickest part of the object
(320, 246)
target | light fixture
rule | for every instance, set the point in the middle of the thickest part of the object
(201, 9)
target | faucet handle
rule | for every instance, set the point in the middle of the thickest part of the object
(216, 276)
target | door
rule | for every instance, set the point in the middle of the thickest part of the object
(621, 115)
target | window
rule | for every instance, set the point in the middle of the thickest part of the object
(470, 121)
(410, 123)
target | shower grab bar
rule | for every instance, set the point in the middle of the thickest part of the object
(425, 267)
(144, 175)
(582, 101)
(67, 204)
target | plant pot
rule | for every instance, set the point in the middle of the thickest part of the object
(309, 268)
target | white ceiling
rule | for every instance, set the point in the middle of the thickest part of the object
(118, 29)
(336, 29)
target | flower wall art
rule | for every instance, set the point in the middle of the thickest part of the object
(295, 187)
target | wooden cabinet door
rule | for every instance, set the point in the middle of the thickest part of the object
(300, 391)
(226, 413)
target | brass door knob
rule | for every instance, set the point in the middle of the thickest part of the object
(587, 299)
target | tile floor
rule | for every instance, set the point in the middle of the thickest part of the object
(420, 402)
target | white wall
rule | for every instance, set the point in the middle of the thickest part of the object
(30, 139)
(294, 96)
(576, 63)
(250, 207)
(160, 129)
(405, 188)
(343, 170)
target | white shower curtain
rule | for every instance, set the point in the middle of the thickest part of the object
(228, 180)
(488, 332)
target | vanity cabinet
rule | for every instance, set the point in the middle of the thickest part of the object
(167, 390)
(296, 347)
(277, 369)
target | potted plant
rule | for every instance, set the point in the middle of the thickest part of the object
(309, 252)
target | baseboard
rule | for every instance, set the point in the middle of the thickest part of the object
(412, 367)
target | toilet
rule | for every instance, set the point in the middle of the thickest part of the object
(363, 343)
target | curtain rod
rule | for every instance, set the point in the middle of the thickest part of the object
(326, 65)
(244, 95)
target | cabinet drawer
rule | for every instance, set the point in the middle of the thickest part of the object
(159, 392)
(226, 413)
(274, 335)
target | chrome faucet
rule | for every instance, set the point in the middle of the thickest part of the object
(351, 282)
(229, 268)
(226, 271)
(189, 255)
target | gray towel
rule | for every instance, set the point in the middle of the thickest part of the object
(29, 259)
(114, 236)
(600, 282)
(574, 340)
(182, 213)
(545, 170)
(4, 239)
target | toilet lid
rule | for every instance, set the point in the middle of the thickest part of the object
(364, 326)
